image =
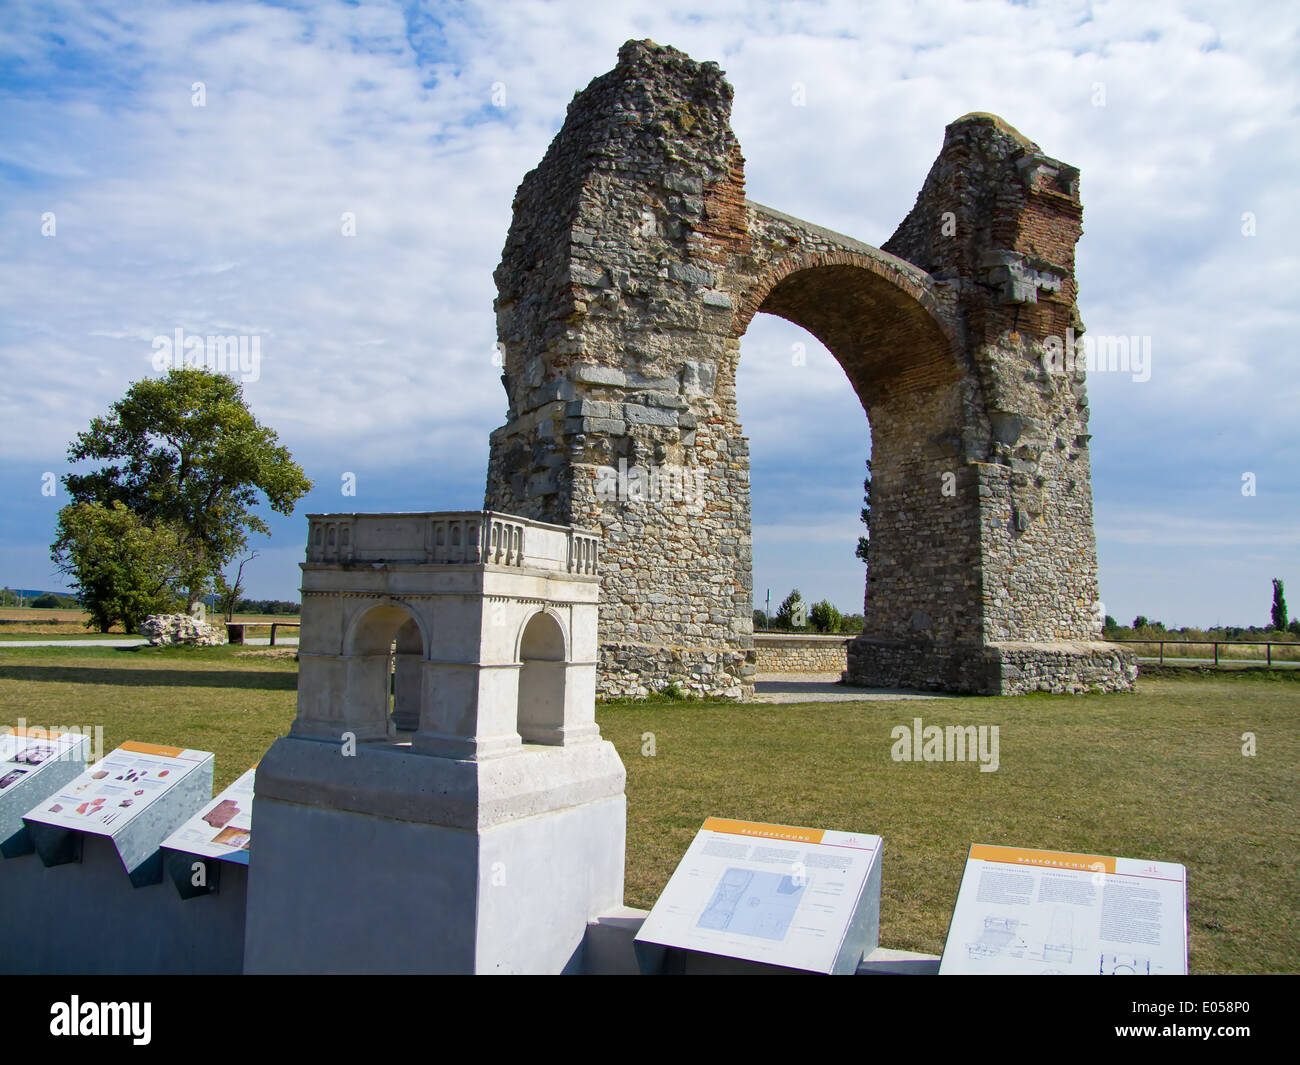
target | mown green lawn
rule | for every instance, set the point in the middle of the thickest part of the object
(1157, 774)
(220, 699)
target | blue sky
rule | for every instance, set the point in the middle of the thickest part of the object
(376, 349)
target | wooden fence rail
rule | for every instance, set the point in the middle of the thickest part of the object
(1216, 644)
(235, 629)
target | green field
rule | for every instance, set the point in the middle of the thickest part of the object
(26, 622)
(1158, 774)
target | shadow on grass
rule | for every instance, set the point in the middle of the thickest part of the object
(154, 678)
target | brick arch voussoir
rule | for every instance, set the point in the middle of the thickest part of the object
(761, 287)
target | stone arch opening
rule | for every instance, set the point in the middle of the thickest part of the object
(799, 414)
(881, 326)
(902, 365)
(384, 649)
(543, 657)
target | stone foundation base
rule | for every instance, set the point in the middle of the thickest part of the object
(1074, 667)
(629, 671)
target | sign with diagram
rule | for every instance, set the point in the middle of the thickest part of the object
(1048, 912)
(26, 752)
(115, 790)
(33, 763)
(774, 894)
(223, 828)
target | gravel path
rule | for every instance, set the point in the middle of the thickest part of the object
(825, 688)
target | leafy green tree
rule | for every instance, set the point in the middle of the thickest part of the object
(185, 452)
(122, 569)
(825, 617)
(48, 601)
(864, 542)
(792, 612)
(760, 620)
(1279, 605)
(1140, 622)
(1110, 623)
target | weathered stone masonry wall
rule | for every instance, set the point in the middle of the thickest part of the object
(614, 340)
(1017, 217)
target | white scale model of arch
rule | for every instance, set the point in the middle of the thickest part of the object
(479, 824)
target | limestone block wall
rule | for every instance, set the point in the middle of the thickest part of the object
(790, 653)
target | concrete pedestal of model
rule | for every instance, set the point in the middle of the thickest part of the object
(487, 839)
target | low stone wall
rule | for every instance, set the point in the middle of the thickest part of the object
(634, 671)
(800, 653)
(1067, 667)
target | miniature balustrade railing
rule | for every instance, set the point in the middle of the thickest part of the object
(453, 538)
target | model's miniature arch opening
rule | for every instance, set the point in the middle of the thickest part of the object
(407, 652)
(544, 668)
(386, 647)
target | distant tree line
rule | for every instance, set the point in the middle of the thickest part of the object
(267, 606)
(794, 615)
(54, 601)
(1148, 628)
(44, 601)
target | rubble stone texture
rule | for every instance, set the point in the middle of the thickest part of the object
(168, 630)
(801, 654)
(634, 265)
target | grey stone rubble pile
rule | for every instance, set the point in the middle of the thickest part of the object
(168, 630)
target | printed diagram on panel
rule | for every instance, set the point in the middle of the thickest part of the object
(1014, 938)
(1125, 965)
(753, 903)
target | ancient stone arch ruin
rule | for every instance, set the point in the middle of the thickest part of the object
(634, 265)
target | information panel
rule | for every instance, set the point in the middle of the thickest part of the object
(34, 762)
(223, 828)
(1048, 912)
(26, 752)
(774, 894)
(116, 789)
